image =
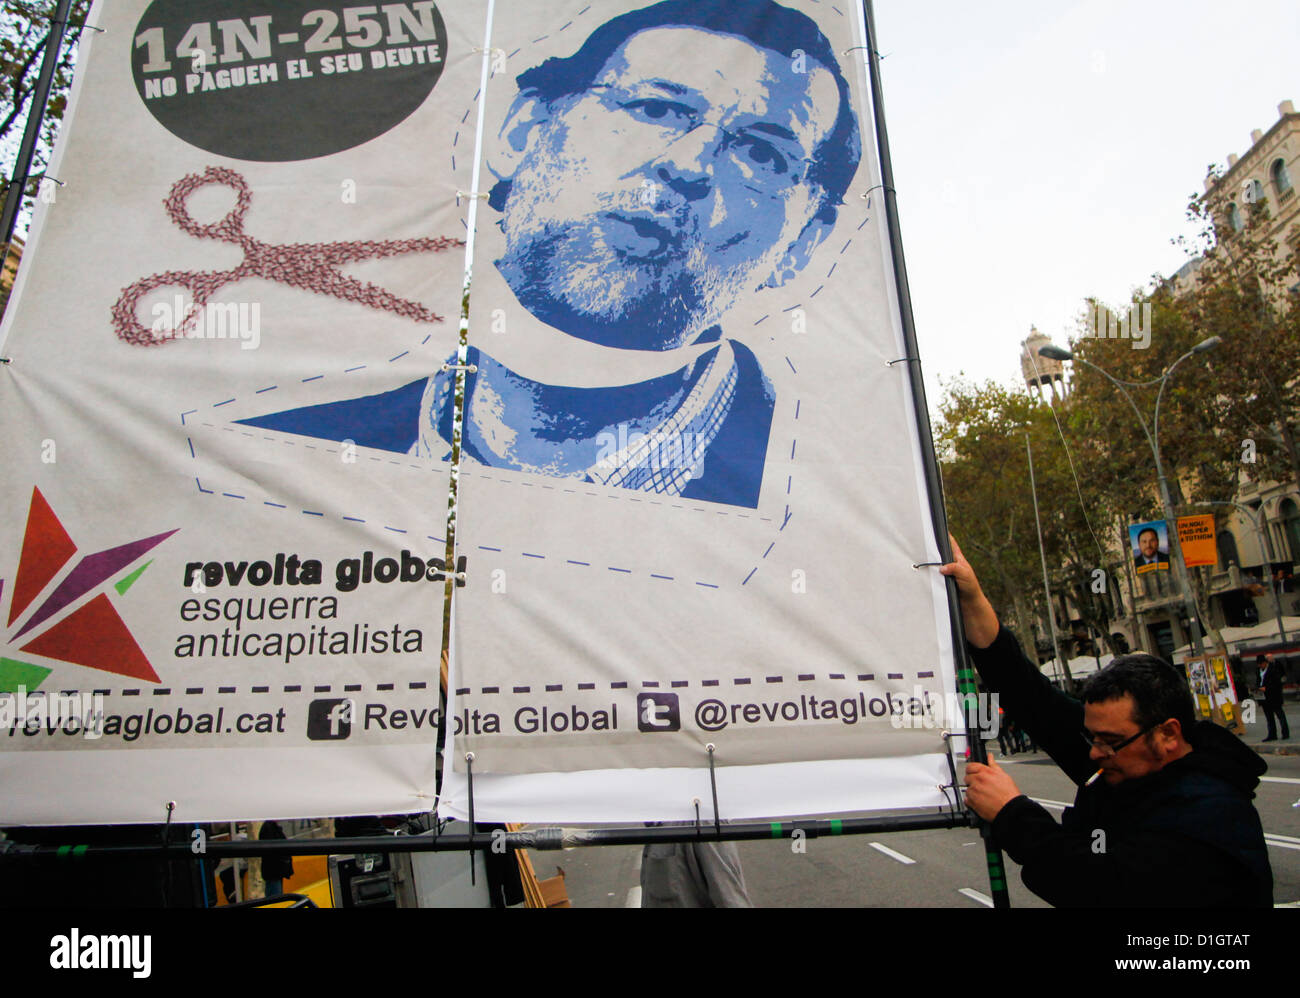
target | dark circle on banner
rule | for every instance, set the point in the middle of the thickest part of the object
(285, 80)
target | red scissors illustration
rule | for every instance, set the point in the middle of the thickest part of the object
(311, 266)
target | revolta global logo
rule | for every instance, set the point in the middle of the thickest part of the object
(93, 634)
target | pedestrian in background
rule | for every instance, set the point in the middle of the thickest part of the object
(1274, 674)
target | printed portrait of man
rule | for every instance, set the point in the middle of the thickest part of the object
(1150, 550)
(688, 155)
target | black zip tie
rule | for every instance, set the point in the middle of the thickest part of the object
(713, 782)
(904, 360)
(952, 770)
(6, 360)
(696, 802)
(855, 48)
(927, 564)
(469, 768)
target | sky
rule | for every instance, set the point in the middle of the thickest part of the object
(1045, 151)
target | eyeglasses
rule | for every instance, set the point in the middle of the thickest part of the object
(772, 163)
(1109, 749)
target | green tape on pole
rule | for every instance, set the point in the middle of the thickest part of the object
(62, 851)
(837, 826)
(79, 851)
(776, 830)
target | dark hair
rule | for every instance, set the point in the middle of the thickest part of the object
(1149, 530)
(762, 22)
(1159, 690)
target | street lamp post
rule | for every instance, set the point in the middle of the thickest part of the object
(1153, 438)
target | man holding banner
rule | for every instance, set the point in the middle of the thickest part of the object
(1163, 815)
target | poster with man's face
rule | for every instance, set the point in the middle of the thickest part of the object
(1150, 546)
(619, 271)
(686, 371)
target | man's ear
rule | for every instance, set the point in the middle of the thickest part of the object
(1171, 731)
(800, 252)
(518, 133)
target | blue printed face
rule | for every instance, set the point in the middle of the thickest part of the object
(641, 208)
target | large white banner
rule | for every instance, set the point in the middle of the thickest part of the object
(691, 495)
(690, 490)
(236, 579)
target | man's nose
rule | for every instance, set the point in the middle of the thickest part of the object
(685, 166)
(1096, 754)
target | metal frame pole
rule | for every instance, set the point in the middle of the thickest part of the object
(35, 116)
(540, 838)
(930, 464)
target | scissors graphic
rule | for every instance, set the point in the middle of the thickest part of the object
(311, 266)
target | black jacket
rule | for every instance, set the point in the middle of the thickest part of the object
(1185, 836)
(1272, 682)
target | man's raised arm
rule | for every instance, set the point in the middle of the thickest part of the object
(1052, 719)
(977, 612)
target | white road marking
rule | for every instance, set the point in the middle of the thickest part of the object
(975, 895)
(906, 860)
(633, 898)
(1275, 840)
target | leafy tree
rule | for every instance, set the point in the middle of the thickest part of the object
(1245, 293)
(981, 440)
(24, 30)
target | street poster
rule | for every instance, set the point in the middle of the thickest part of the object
(1196, 538)
(1149, 543)
(700, 554)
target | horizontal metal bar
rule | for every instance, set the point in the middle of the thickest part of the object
(541, 838)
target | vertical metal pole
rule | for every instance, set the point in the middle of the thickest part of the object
(1042, 557)
(930, 464)
(1175, 545)
(1271, 555)
(35, 116)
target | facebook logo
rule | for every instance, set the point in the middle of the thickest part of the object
(329, 720)
(657, 712)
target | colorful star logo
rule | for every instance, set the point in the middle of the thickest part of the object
(93, 634)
